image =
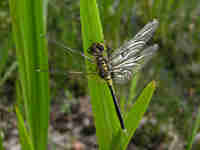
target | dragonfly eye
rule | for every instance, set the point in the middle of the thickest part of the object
(100, 46)
(96, 49)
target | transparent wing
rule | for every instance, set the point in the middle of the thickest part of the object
(123, 72)
(131, 57)
(130, 48)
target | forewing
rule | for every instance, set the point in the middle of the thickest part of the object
(133, 46)
(131, 57)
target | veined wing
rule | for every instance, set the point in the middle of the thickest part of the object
(123, 72)
(131, 57)
(133, 46)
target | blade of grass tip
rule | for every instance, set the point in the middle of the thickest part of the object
(194, 131)
(25, 140)
(106, 120)
(135, 115)
(28, 22)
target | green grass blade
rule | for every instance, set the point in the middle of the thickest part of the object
(28, 22)
(106, 120)
(25, 139)
(194, 132)
(1, 140)
(8, 73)
(135, 115)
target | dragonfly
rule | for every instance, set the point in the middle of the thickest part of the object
(121, 65)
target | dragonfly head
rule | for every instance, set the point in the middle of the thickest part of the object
(96, 49)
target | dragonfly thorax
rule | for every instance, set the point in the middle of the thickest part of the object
(97, 50)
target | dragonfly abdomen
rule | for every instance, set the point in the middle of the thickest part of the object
(97, 50)
(103, 69)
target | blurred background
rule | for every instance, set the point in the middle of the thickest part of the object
(175, 68)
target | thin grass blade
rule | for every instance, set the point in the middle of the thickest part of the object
(28, 22)
(25, 139)
(106, 120)
(194, 132)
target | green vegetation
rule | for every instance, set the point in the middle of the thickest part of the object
(175, 68)
(28, 23)
(107, 124)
